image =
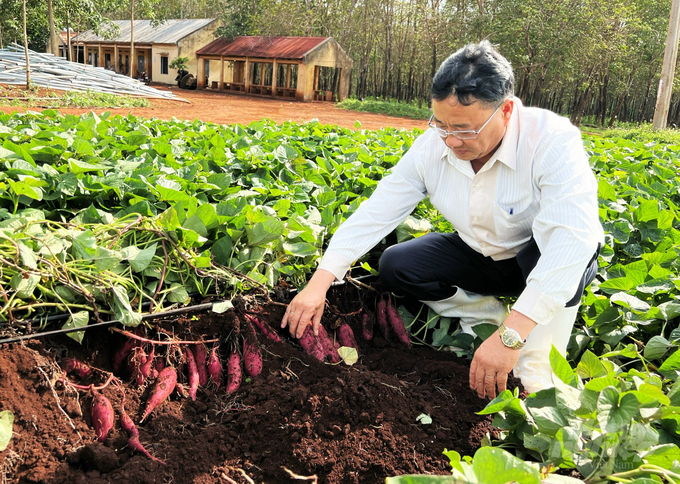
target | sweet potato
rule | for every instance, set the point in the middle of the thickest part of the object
(328, 347)
(193, 373)
(215, 368)
(252, 358)
(165, 384)
(123, 352)
(200, 354)
(71, 365)
(311, 344)
(267, 330)
(233, 372)
(367, 326)
(136, 360)
(381, 316)
(133, 442)
(101, 413)
(397, 324)
(346, 336)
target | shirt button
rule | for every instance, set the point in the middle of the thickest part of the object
(482, 244)
(475, 219)
(476, 186)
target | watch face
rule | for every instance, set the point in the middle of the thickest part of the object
(510, 338)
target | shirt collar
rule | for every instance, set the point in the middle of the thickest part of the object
(507, 151)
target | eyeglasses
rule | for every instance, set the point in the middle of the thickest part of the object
(464, 134)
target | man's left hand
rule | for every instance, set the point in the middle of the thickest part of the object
(493, 361)
(491, 364)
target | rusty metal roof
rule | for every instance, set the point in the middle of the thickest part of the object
(169, 32)
(266, 47)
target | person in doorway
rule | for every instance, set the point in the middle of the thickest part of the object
(516, 184)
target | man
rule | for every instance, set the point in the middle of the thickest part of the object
(516, 185)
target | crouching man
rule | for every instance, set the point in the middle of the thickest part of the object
(516, 184)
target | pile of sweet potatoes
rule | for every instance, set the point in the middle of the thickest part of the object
(159, 366)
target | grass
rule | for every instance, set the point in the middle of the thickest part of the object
(389, 108)
(47, 98)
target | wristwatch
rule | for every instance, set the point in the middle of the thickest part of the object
(510, 337)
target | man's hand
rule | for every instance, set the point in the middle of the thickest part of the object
(493, 361)
(308, 305)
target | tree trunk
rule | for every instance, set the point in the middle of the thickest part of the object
(54, 44)
(28, 62)
(68, 37)
(132, 39)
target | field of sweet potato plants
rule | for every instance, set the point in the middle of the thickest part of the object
(145, 268)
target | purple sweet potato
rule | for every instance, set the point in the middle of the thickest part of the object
(328, 347)
(215, 368)
(165, 384)
(122, 354)
(101, 413)
(381, 316)
(252, 358)
(71, 365)
(267, 330)
(133, 442)
(136, 361)
(346, 336)
(397, 324)
(200, 355)
(233, 372)
(367, 326)
(311, 344)
(193, 373)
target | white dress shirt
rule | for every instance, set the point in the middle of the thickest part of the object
(538, 183)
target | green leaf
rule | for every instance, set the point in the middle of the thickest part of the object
(666, 456)
(222, 306)
(262, 233)
(656, 347)
(630, 302)
(493, 465)
(454, 459)
(548, 419)
(562, 369)
(301, 249)
(590, 366)
(178, 294)
(349, 355)
(221, 250)
(122, 308)
(671, 367)
(140, 260)
(6, 428)
(77, 320)
(106, 259)
(614, 413)
(647, 210)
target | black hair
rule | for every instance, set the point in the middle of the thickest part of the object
(477, 72)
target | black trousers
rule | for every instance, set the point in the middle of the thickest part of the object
(430, 268)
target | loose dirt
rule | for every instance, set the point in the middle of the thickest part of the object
(342, 424)
(230, 108)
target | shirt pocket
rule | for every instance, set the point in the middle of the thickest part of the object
(513, 225)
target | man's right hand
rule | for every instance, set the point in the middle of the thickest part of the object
(308, 305)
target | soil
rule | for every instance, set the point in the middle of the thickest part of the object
(340, 423)
(230, 108)
(331, 423)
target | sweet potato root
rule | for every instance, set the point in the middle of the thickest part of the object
(267, 330)
(381, 316)
(346, 336)
(165, 384)
(397, 324)
(215, 368)
(367, 326)
(71, 365)
(252, 358)
(200, 354)
(233, 372)
(101, 412)
(133, 442)
(328, 347)
(193, 373)
(311, 345)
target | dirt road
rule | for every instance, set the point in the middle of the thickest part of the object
(229, 108)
